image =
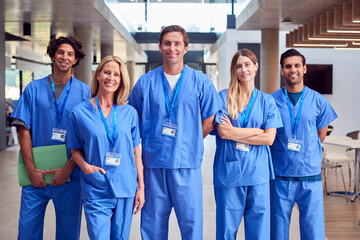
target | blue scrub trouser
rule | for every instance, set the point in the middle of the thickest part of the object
(167, 188)
(67, 203)
(309, 197)
(252, 202)
(109, 218)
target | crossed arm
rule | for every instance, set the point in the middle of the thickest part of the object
(253, 136)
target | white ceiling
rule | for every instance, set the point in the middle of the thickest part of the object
(174, 1)
(61, 16)
(263, 14)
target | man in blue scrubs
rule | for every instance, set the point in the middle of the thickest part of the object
(42, 118)
(176, 105)
(297, 153)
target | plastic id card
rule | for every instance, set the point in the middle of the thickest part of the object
(169, 129)
(242, 147)
(112, 159)
(294, 144)
(58, 134)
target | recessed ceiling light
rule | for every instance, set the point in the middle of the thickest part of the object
(286, 20)
(343, 31)
(319, 45)
(334, 39)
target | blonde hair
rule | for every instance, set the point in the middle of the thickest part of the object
(235, 100)
(122, 93)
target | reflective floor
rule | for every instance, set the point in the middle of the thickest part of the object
(10, 202)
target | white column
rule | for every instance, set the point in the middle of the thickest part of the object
(2, 81)
(107, 47)
(226, 52)
(106, 50)
(83, 71)
(270, 75)
(131, 69)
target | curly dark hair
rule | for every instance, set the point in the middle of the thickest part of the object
(69, 39)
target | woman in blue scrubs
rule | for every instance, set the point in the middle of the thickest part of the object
(246, 126)
(105, 144)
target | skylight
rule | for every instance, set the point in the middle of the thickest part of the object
(194, 17)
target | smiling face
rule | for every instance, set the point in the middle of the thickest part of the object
(293, 70)
(109, 77)
(245, 70)
(173, 48)
(64, 58)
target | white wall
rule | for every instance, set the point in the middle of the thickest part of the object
(346, 74)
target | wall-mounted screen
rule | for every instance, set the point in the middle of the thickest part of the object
(319, 78)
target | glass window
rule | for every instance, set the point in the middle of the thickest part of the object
(12, 84)
(194, 17)
(212, 72)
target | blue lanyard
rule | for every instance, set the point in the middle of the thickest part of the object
(295, 124)
(60, 109)
(244, 120)
(176, 91)
(112, 139)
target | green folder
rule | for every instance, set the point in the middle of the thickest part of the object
(45, 158)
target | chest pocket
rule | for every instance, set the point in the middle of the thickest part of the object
(236, 155)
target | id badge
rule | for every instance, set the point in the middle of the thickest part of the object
(58, 134)
(169, 129)
(112, 159)
(294, 144)
(242, 147)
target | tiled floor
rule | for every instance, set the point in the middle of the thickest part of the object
(10, 202)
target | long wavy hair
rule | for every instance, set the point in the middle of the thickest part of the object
(122, 93)
(235, 99)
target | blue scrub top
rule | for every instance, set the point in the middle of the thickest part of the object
(88, 134)
(37, 109)
(316, 114)
(197, 100)
(234, 168)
